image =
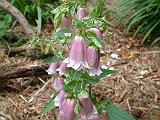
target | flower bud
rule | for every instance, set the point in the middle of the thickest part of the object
(52, 68)
(81, 13)
(57, 83)
(97, 31)
(62, 68)
(59, 98)
(66, 22)
(77, 54)
(66, 111)
(93, 59)
(87, 106)
(88, 110)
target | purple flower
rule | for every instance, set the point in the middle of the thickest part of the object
(88, 110)
(87, 106)
(81, 13)
(66, 110)
(59, 98)
(52, 68)
(66, 22)
(93, 59)
(62, 68)
(77, 54)
(97, 31)
(57, 83)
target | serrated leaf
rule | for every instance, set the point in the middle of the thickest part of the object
(93, 39)
(93, 79)
(79, 23)
(117, 113)
(49, 106)
(52, 59)
(70, 86)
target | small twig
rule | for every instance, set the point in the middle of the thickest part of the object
(32, 98)
(24, 98)
(145, 52)
(129, 107)
(14, 104)
(41, 80)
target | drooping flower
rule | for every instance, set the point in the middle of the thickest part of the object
(66, 110)
(62, 68)
(52, 68)
(57, 83)
(77, 54)
(59, 98)
(88, 110)
(93, 59)
(66, 22)
(81, 13)
(97, 31)
(87, 106)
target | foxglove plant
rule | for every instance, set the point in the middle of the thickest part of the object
(82, 61)
(81, 66)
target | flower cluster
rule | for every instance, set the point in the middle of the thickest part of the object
(80, 57)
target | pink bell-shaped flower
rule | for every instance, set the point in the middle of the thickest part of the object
(57, 83)
(77, 54)
(88, 110)
(66, 110)
(52, 68)
(59, 98)
(87, 106)
(93, 59)
(66, 22)
(97, 31)
(81, 13)
(62, 68)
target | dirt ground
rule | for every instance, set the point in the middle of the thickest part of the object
(135, 86)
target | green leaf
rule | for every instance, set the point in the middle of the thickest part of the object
(117, 113)
(84, 94)
(39, 19)
(50, 105)
(93, 79)
(148, 33)
(57, 19)
(102, 106)
(51, 60)
(79, 23)
(93, 39)
(77, 88)
(97, 42)
(77, 107)
(70, 87)
(155, 41)
(98, 8)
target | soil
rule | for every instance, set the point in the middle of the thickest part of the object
(135, 86)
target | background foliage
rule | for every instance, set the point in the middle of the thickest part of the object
(144, 15)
